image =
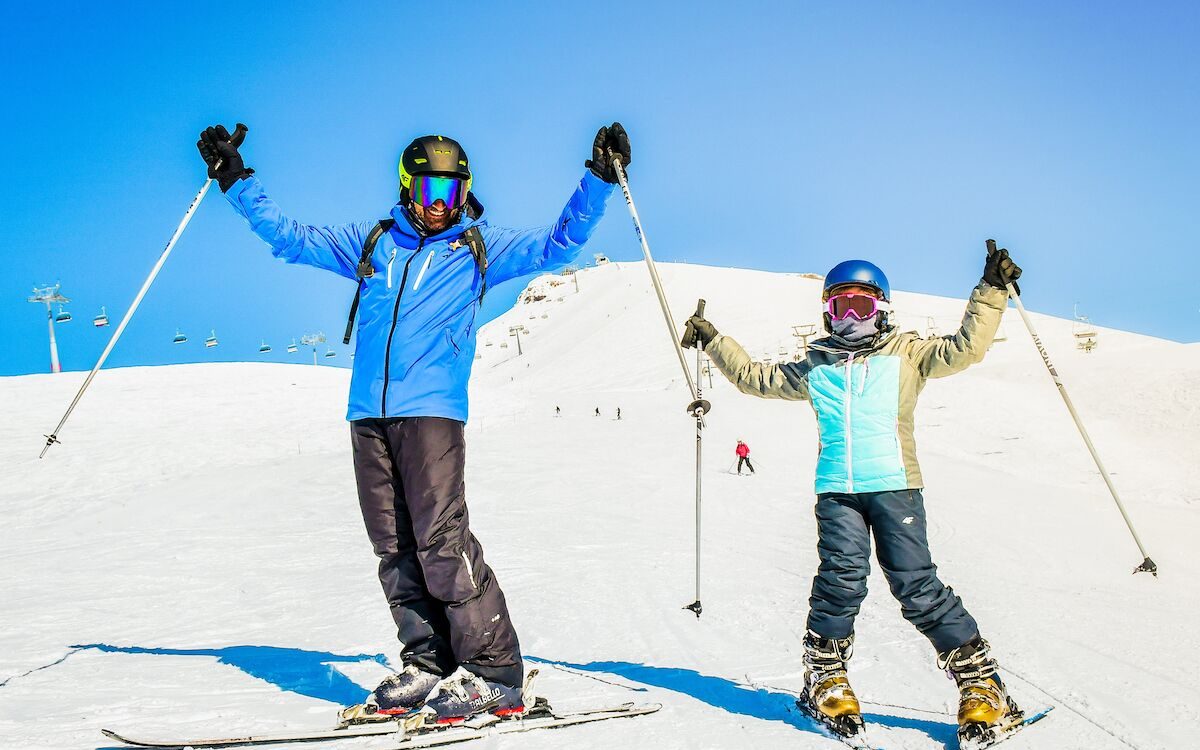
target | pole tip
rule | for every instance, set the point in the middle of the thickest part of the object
(695, 607)
(1147, 566)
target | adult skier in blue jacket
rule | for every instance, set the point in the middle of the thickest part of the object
(419, 291)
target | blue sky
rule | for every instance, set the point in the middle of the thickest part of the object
(781, 136)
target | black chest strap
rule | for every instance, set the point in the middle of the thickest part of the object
(365, 270)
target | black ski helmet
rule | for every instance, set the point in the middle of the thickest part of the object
(434, 154)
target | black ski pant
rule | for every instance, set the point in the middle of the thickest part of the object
(448, 607)
(745, 460)
(845, 523)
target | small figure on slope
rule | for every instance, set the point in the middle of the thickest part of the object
(743, 457)
(421, 273)
(863, 381)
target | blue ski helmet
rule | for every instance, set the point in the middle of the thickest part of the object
(857, 272)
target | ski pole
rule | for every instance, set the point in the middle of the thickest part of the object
(1148, 565)
(696, 606)
(698, 406)
(239, 134)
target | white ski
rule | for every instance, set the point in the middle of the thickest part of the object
(482, 726)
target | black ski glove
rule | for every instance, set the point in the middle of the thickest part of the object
(611, 140)
(217, 145)
(999, 268)
(697, 332)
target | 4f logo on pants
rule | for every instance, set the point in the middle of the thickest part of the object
(908, 521)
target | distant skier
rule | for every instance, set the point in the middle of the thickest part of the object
(420, 290)
(557, 411)
(597, 411)
(743, 455)
(618, 414)
(863, 381)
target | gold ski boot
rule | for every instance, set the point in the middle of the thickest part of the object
(984, 708)
(827, 695)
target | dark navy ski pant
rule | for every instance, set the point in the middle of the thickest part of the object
(447, 605)
(845, 523)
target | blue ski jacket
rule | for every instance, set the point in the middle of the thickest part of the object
(416, 320)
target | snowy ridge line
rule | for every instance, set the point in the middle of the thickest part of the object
(55, 663)
(1070, 708)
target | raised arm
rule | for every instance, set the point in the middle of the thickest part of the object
(946, 355)
(334, 248)
(514, 253)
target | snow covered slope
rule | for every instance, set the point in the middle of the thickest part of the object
(192, 555)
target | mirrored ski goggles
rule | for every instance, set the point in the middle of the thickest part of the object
(861, 306)
(429, 189)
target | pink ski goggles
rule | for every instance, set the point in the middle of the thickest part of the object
(861, 306)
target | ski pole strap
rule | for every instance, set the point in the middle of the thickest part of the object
(365, 271)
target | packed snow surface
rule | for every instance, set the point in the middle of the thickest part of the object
(191, 560)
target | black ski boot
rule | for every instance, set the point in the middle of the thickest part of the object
(464, 695)
(398, 695)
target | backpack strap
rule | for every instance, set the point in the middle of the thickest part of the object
(473, 239)
(365, 270)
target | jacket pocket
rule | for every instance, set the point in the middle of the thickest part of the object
(450, 340)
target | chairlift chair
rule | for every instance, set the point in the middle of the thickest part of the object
(329, 352)
(264, 347)
(179, 337)
(292, 348)
(211, 341)
(100, 320)
(63, 316)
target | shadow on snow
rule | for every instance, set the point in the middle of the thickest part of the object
(310, 673)
(757, 703)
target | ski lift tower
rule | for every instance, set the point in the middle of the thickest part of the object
(50, 295)
(804, 333)
(312, 340)
(517, 331)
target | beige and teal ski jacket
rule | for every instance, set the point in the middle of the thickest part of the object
(864, 399)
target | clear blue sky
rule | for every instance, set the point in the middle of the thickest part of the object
(783, 136)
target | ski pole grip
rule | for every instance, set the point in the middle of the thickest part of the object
(700, 308)
(239, 135)
(991, 248)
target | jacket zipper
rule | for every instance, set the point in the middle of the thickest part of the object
(390, 261)
(848, 426)
(387, 352)
(424, 268)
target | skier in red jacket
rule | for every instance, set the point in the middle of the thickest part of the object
(743, 454)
